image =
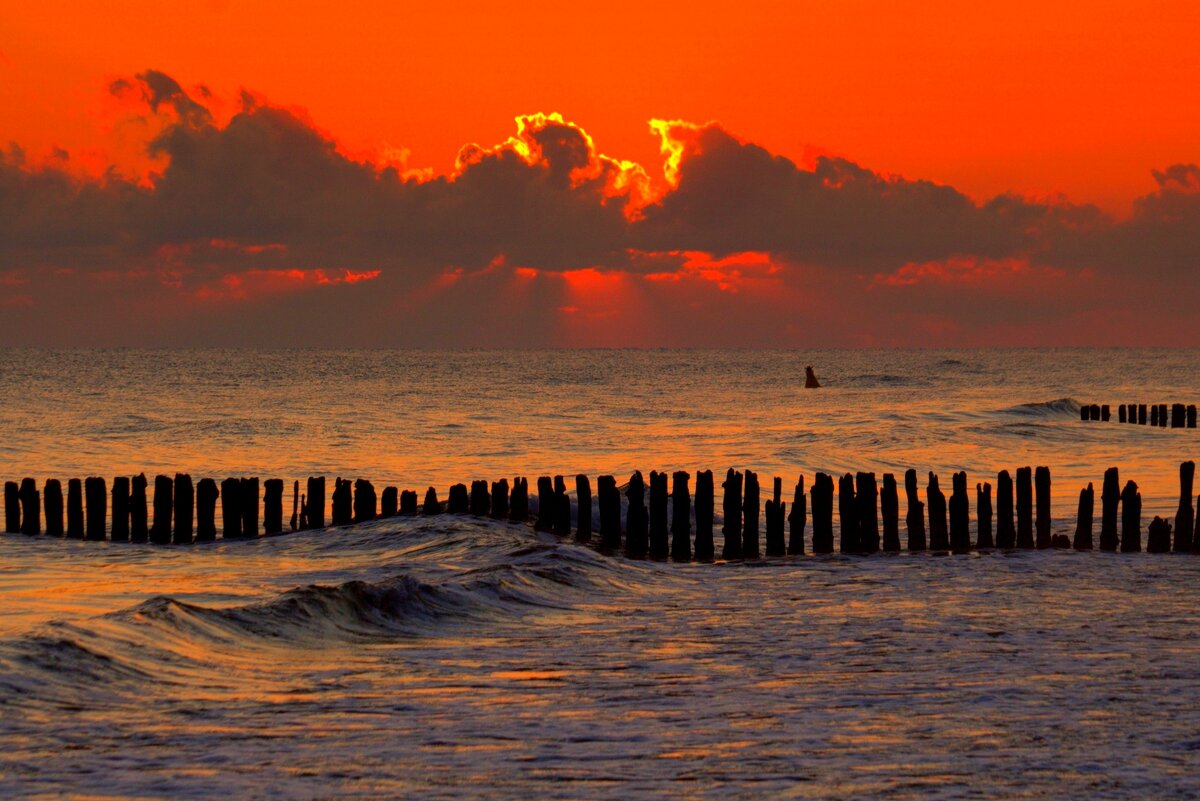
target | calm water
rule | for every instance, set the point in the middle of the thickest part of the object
(460, 658)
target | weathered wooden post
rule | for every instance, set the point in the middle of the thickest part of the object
(797, 520)
(1131, 518)
(389, 501)
(164, 502)
(1025, 507)
(636, 518)
(939, 533)
(408, 502)
(315, 503)
(366, 501)
(914, 518)
(1110, 498)
(96, 495)
(206, 510)
(983, 514)
(431, 505)
(1178, 415)
(1121, 417)
(705, 506)
(545, 496)
(1085, 412)
(848, 514)
(867, 498)
(74, 509)
(583, 504)
(731, 526)
(500, 499)
(1191, 415)
(120, 509)
(889, 506)
(960, 514)
(1141, 414)
(1094, 411)
(231, 508)
(184, 503)
(481, 500)
(1042, 483)
(31, 508)
(250, 506)
(681, 517)
(776, 544)
(1185, 516)
(518, 507)
(1158, 537)
(295, 521)
(52, 499)
(1153, 414)
(343, 503)
(12, 508)
(610, 513)
(273, 506)
(1162, 415)
(1006, 534)
(660, 546)
(1083, 524)
(562, 508)
(822, 513)
(1105, 414)
(750, 516)
(139, 531)
(458, 502)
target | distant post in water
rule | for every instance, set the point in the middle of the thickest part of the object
(31, 508)
(889, 506)
(562, 508)
(458, 502)
(52, 500)
(431, 505)
(96, 495)
(315, 502)
(231, 508)
(731, 527)
(295, 521)
(797, 520)
(12, 508)
(1191, 415)
(1131, 518)
(250, 507)
(914, 518)
(1105, 414)
(545, 497)
(983, 513)
(750, 517)
(74, 509)
(120, 509)
(681, 517)
(1158, 537)
(867, 498)
(139, 531)
(164, 502)
(500, 499)
(1042, 482)
(960, 514)
(408, 502)
(1162, 415)
(1121, 413)
(1153, 415)
(848, 514)
(1006, 534)
(365, 501)
(184, 504)
(1141, 414)
(822, 512)
(1025, 507)
(1083, 524)
(939, 533)
(273, 506)
(518, 507)
(389, 502)
(776, 545)
(660, 546)
(610, 513)
(1110, 498)
(705, 506)
(636, 518)
(343, 504)
(206, 510)
(583, 503)
(481, 500)
(1178, 415)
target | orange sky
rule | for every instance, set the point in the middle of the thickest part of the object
(1074, 97)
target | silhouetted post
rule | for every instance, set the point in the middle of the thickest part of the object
(750, 510)
(1185, 516)
(273, 506)
(431, 506)
(250, 506)
(1006, 533)
(1105, 414)
(31, 508)
(1178, 415)
(1153, 415)
(1121, 417)
(303, 512)
(1191, 415)
(1158, 537)
(867, 497)
(822, 513)
(1131, 518)
(1083, 524)
(315, 503)
(74, 509)
(518, 507)
(960, 514)
(848, 514)
(583, 504)
(184, 504)
(52, 500)
(681, 517)
(889, 505)
(1162, 415)
(1141, 415)
(139, 531)
(914, 519)
(610, 513)
(1085, 413)
(295, 521)
(983, 513)
(164, 502)
(939, 533)
(636, 518)
(797, 519)
(96, 496)
(500, 499)
(389, 501)
(776, 544)
(545, 496)
(408, 502)
(705, 505)
(1042, 483)
(1025, 507)
(1094, 411)
(481, 500)
(366, 501)
(231, 508)
(562, 508)
(206, 510)
(343, 503)
(12, 508)
(731, 505)
(458, 502)
(120, 509)
(1110, 497)
(660, 546)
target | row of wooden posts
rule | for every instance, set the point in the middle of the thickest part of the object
(183, 513)
(1140, 414)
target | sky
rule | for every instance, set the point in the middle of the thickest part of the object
(758, 174)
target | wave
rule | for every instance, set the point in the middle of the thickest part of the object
(1060, 407)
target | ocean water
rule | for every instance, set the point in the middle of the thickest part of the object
(454, 657)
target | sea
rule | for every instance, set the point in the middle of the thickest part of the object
(458, 657)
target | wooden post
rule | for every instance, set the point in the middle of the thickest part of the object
(120, 509)
(343, 503)
(518, 507)
(750, 516)
(960, 514)
(983, 513)
(545, 496)
(1095, 411)
(1158, 537)
(458, 502)
(1105, 414)
(1121, 413)
(1131, 518)
(797, 520)
(1085, 412)
(1191, 415)
(389, 502)
(273, 506)
(500, 499)
(295, 521)
(773, 509)
(12, 508)
(74, 509)
(184, 504)
(562, 508)
(1006, 534)
(1162, 415)
(52, 499)
(705, 505)
(610, 513)
(1110, 497)
(366, 501)
(431, 505)
(408, 502)
(1141, 414)
(1025, 508)
(231, 508)
(848, 514)
(660, 546)
(250, 507)
(1178, 415)
(583, 503)
(1185, 516)
(164, 501)
(681, 517)
(867, 497)
(822, 513)
(914, 518)
(31, 508)
(96, 496)
(1042, 483)
(314, 503)
(139, 531)
(731, 526)
(1153, 414)
(889, 505)
(939, 534)
(636, 518)
(206, 510)
(1083, 524)
(481, 500)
